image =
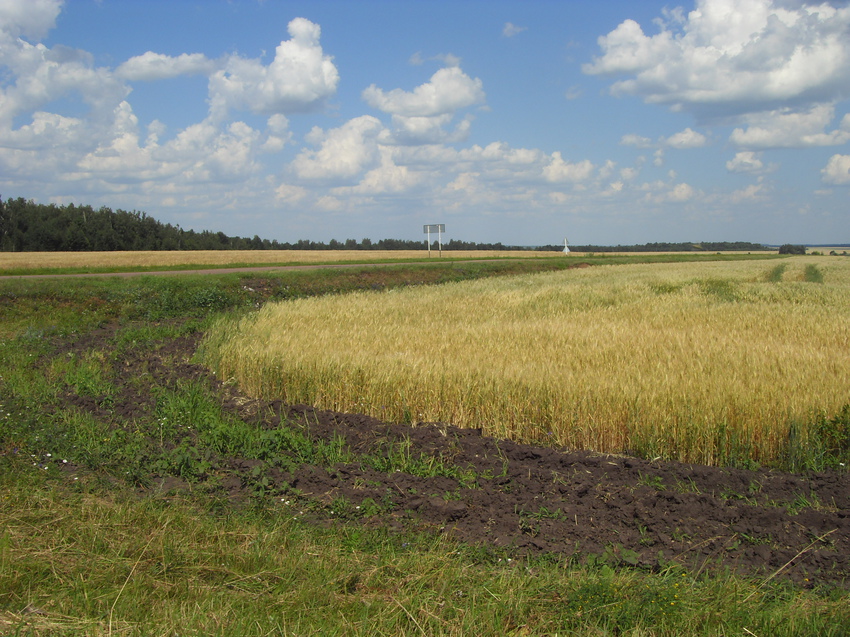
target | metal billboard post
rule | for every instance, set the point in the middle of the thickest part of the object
(439, 228)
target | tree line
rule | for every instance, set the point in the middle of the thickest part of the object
(706, 246)
(26, 226)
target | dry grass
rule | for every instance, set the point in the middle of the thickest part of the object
(693, 361)
(37, 260)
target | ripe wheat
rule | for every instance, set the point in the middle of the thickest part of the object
(700, 362)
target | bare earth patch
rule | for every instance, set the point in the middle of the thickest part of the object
(519, 500)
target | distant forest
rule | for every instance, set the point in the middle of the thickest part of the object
(705, 246)
(26, 226)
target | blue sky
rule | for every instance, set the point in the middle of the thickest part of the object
(515, 121)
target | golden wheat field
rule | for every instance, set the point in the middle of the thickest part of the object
(39, 260)
(692, 361)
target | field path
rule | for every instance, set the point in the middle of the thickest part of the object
(260, 268)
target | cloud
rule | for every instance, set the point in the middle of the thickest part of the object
(636, 141)
(682, 140)
(753, 192)
(559, 170)
(421, 116)
(278, 134)
(428, 130)
(510, 30)
(573, 93)
(837, 170)
(686, 139)
(745, 162)
(290, 194)
(200, 154)
(728, 58)
(448, 90)
(629, 173)
(156, 66)
(299, 78)
(344, 153)
(660, 192)
(29, 18)
(42, 75)
(679, 193)
(386, 178)
(448, 59)
(788, 128)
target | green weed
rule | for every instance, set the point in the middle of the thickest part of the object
(812, 274)
(653, 482)
(775, 274)
(392, 457)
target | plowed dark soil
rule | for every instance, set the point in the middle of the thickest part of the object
(520, 500)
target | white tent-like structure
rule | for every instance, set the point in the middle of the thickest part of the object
(566, 246)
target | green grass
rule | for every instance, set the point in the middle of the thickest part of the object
(87, 553)
(86, 563)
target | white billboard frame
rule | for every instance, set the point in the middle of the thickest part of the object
(439, 228)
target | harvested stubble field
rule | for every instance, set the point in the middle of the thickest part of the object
(25, 261)
(141, 495)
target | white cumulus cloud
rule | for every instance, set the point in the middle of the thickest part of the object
(344, 153)
(422, 116)
(448, 90)
(29, 18)
(638, 141)
(729, 57)
(389, 177)
(510, 29)
(837, 170)
(681, 192)
(686, 139)
(300, 77)
(753, 192)
(157, 66)
(559, 170)
(660, 192)
(745, 162)
(42, 75)
(789, 128)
